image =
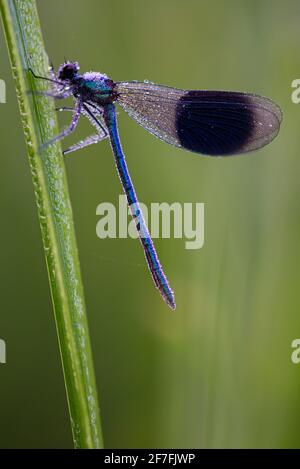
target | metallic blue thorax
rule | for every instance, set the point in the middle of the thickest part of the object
(97, 87)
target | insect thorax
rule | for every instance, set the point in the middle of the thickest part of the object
(97, 87)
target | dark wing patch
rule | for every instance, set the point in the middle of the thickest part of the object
(221, 123)
(216, 123)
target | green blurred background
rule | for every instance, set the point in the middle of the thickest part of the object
(216, 372)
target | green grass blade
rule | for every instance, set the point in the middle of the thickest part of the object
(25, 46)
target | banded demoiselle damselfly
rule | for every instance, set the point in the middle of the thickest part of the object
(215, 123)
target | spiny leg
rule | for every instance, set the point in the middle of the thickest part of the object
(95, 116)
(76, 115)
(91, 139)
(93, 113)
(65, 108)
(95, 138)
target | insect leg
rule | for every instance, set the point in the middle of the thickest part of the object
(95, 138)
(76, 115)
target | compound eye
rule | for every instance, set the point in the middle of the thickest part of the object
(68, 71)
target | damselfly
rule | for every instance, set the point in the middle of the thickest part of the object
(216, 123)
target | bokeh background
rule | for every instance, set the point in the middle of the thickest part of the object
(217, 372)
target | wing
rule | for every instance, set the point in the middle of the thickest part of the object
(216, 123)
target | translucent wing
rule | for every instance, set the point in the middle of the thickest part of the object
(217, 123)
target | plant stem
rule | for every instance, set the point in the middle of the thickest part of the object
(25, 46)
